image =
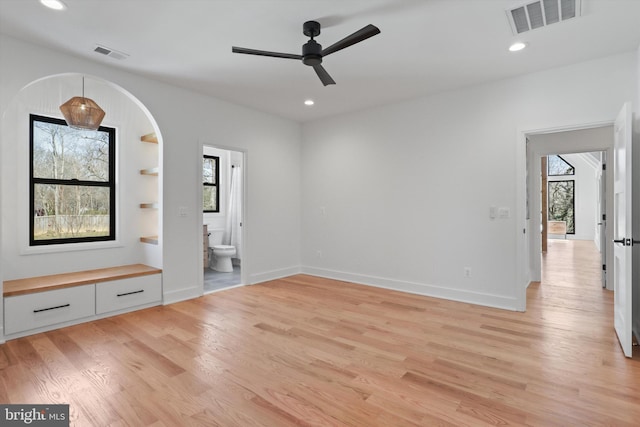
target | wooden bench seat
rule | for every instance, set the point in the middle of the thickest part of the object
(66, 280)
(43, 303)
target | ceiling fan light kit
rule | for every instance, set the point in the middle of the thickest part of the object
(312, 52)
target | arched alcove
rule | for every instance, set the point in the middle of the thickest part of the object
(132, 120)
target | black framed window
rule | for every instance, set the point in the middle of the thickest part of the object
(210, 182)
(72, 183)
(557, 166)
(561, 200)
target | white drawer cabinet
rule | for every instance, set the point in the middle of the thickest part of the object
(43, 303)
(125, 293)
(31, 311)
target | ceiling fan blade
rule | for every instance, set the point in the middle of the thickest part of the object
(324, 76)
(235, 49)
(357, 37)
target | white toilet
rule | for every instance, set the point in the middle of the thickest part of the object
(220, 255)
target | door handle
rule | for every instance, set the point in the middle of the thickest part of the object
(622, 241)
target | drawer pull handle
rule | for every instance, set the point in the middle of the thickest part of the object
(130, 293)
(52, 308)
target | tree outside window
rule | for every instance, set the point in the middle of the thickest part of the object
(72, 185)
(557, 166)
(562, 203)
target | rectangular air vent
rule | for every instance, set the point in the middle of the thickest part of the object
(541, 13)
(111, 53)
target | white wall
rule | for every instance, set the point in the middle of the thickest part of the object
(187, 119)
(399, 196)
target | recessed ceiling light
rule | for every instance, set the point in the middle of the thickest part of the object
(309, 102)
(53, 4)
(517, 46)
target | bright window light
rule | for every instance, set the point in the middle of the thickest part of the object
(53, 4)
(517, 46)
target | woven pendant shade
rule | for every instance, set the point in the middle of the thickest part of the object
(82, 113)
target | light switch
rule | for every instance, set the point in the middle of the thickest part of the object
(493, 212)
(504, 212)
(182, 211)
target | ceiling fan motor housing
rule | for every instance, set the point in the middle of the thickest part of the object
(312, 53)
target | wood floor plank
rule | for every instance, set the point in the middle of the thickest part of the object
(311, 351)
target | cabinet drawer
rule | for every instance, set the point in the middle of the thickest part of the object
(125, 293)
(31, 311)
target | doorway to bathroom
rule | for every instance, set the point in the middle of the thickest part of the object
(222, 218)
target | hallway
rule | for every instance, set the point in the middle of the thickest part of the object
(571, 278)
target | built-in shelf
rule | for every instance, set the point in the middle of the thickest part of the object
(152, 240)
(150, 171)
(151, 194)
(150, 137)
(149, 205)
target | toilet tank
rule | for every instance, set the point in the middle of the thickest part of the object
(215, 237)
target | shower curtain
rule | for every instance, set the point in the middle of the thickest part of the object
(233, 234)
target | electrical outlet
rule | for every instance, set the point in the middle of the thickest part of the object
(319, 254)
(467, 272)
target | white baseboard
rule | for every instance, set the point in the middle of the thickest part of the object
(181, 295)
(273, 274)
(488, 300)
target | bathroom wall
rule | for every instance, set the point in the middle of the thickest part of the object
(228, 158)
(217, 220)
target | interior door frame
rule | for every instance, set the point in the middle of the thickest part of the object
(528, 265)
(244, 270)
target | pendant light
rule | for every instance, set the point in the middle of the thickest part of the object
(82, 113)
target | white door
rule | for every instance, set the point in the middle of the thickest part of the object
(622, 228)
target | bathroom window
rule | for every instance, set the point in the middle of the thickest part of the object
(72, 183)
(210, 180)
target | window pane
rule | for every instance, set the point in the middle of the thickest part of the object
(60, 152)
(561, 203)
(210, 198)
(209, 171)
(66, 211)
(556, 166)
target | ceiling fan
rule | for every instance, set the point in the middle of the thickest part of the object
(312, 52)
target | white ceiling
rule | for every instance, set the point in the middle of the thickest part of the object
(425, 46)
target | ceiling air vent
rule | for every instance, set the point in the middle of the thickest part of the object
(111, 53)
(541, 13)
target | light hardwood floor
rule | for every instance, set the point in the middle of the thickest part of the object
(305, 351)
